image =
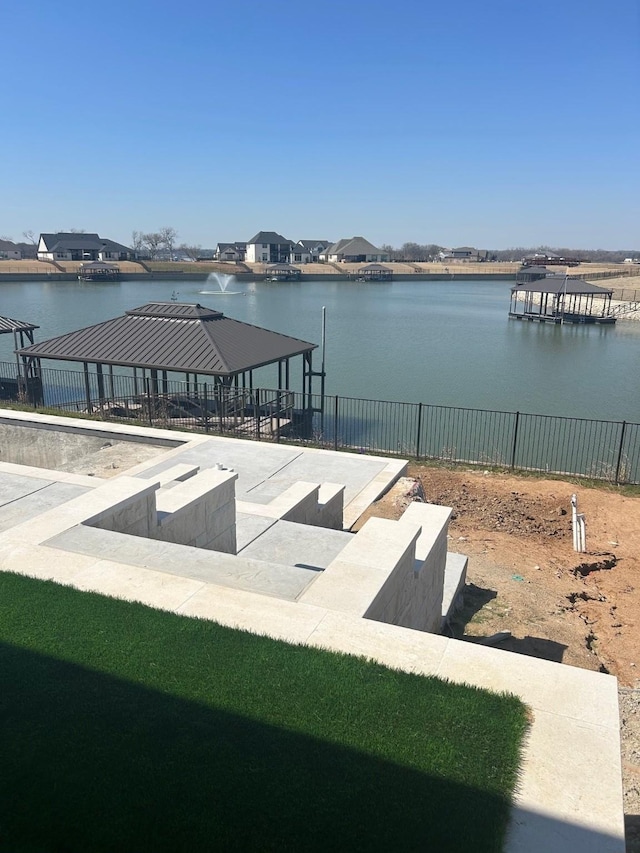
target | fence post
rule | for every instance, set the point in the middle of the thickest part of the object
(335, 423)
(147, 383)
(206, 407)
(257, 413)
(620, 448)
(515, 441)
(419, 430)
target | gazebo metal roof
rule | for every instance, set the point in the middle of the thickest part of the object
(172, 336)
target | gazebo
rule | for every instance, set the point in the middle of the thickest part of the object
(163, 338)
(560, 299)
(10, 386)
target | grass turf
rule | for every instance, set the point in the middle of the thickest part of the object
(127, 728)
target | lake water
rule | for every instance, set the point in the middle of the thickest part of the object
(443, 343)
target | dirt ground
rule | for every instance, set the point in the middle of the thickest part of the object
(525, 578)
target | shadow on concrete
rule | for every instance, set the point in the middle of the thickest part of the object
(632, 830)
(106, 764)
(536, 647)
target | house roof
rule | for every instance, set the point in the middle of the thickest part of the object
(314, 244)
(234, 246)
(372, 267)
(182, 337)
(562, 284)
(8, 325)
(8, 245)
(269, 237)
(354, 246)
(72, 240)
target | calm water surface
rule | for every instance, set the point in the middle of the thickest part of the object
(444, 343)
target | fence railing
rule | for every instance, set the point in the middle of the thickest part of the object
(597, 449)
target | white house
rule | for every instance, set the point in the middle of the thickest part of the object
(73, 246)
(268, 247)
(354, 250)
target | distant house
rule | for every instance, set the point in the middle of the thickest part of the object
(465, 253)
(268, 247)
(313, 248)
(231, 251)
(9, 251)
(80, 247)
(354, 250)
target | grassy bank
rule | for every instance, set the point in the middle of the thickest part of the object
(127, 728)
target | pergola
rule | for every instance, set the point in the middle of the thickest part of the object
(171, 337)
(560, 299)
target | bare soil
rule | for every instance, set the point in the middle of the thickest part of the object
(525, 578)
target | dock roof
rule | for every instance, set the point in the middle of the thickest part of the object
(562, 284)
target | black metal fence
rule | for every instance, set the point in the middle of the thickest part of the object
(602, 450)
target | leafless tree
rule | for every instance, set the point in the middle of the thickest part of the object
(152, 241)
(168, 238)
(137, 242)
(192, 252)
(30, 237)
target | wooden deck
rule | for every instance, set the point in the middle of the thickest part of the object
(560, 319)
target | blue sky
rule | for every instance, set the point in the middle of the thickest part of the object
(492, 124)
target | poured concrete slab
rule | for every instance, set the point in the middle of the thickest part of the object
(254, 462)
(213, 567)
(298, 545)
(249, 527)
(23, 498)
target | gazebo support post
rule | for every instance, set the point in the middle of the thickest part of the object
(112, 396)
(101, 399)
(87, 389)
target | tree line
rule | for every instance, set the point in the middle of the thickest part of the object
(163, 241)
(431, 252)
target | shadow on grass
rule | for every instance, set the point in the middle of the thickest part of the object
(103, 764)
(106, 765)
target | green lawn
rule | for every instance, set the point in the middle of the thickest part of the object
(129, 729)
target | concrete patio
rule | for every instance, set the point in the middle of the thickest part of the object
(281, 574)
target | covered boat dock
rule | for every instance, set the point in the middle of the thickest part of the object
(98, 271)
(560, 299)
(282, 272)
(374, 272)
(217, 356)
